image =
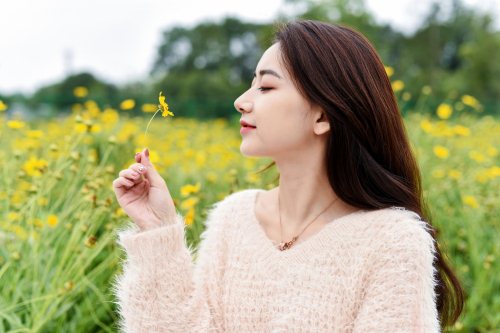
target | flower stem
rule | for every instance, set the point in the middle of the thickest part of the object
(146, 132)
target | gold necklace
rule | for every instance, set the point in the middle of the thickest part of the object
(286, 245)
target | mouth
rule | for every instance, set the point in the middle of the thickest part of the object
(248, 126)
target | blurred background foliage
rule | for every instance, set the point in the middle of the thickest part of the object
(202, 69)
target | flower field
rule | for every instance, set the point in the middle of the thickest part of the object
(59, 216)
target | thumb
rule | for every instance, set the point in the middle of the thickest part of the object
(152, 174)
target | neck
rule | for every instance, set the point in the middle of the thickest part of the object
(299, 203)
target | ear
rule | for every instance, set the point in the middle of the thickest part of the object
(321, 123)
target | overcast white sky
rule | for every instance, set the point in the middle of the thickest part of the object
(116, 40)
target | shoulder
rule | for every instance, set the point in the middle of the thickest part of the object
(400, 232)
(223, 211)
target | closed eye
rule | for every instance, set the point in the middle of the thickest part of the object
(264, 88)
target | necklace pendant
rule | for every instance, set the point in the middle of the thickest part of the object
(286, 245)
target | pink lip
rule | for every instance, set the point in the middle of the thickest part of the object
(246, 129)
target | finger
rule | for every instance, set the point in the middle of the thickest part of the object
(120, 186)
(152, 174)
(138, 167)
(122, 182)
(132, 175)
(137, 157)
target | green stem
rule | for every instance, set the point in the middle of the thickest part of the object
(146, 132)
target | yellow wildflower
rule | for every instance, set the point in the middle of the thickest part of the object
(477, 156)
(149, 107)
(454, 174)
(3, 106)
(438, 173)
(35, 167)
(470, 101)
(109, 116)
(426, 125)
(13, 216)
(19, 231)
(80, 92)
(444, 111)
(15, 124)
(189, 189)
(42, 201)
(491, 151)
(189, 203)
(127, 104)
(189, 218)
(164, 106)
(398, 85)
(52, 220)
(461, 130)
(470, 201)
(441, 152)
(389, 70)
(34, 134)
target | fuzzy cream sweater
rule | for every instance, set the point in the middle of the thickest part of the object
(369, 271)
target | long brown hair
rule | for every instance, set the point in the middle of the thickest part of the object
(337, 68)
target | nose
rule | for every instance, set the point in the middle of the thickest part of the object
(242, 105)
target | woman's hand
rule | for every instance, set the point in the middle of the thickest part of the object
(144, 195)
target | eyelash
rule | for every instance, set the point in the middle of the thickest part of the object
(264, 88)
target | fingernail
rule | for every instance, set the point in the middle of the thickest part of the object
(147, 152)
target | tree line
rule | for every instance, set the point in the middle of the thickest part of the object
(203, 69)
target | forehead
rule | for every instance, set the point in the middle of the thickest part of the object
(270, 59)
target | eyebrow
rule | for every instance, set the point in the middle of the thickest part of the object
(263, 72)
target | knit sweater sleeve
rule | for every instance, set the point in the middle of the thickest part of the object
(399, 293)
(161, 290)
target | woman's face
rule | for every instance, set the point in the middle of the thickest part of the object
(282, 116)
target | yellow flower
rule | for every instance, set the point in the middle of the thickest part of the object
(189, 189)
(109, 116)
(426, 125)
(461, 130)
(470, 201)
(149, 107)
(492, 151)
(34, 134)
(127, 104)
(389, 70)
(164, 106)
(470, 101)
(15, 124)
(13, 216)
(444, 111)
(35, 167)
(3, 106)
(438, 173)
(80, 92)
(398, 85)
(477, 156)
(455, 174)
(42, 201)
(441, 152)
(52, 220)
(189, 218)
(189, 203)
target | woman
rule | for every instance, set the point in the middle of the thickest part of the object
(341, 245)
